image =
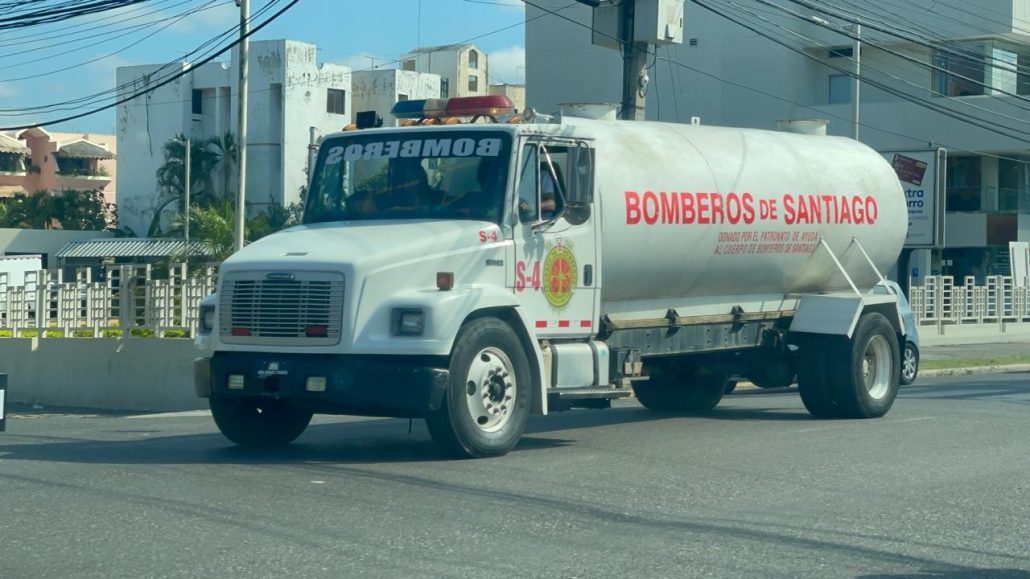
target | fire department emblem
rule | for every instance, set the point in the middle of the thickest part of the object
(559, 275)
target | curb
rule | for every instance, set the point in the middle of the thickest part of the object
(996, 369)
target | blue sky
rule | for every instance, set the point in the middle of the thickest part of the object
(350, 32)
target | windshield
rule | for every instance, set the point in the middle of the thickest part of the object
(435, 175)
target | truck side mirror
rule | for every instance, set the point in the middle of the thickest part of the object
(576, 212)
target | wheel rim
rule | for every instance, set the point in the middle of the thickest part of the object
(876, 367)
(908, 368)
(490, 390)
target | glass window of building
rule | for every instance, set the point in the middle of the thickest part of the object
(959, 75)
(336, 102)
(473, 83)
(964, 183)
(840, 89)
(1013, 192)
(473, 59)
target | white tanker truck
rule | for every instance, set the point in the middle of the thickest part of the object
(471, 274)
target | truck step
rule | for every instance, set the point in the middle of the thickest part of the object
(593, 392)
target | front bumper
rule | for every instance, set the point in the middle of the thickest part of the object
(367, 385)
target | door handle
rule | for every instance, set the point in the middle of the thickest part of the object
(588, 275)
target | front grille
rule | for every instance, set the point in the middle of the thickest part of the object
(305, 310)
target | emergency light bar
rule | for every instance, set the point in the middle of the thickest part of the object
(476, 106)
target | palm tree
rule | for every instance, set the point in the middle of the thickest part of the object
(207, 157)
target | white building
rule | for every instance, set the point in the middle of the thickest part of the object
(988, 197)
(289, 93)
(379, 90)
(462, 68)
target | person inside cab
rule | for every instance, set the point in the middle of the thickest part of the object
(550, 200)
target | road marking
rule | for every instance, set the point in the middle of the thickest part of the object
(836, 424)
(318, 482)
(186, 414)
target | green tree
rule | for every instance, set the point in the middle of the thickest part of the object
(71, 210)
(211, 163)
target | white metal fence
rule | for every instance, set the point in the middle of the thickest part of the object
(940, 301)
(132, 299)
(135, 299)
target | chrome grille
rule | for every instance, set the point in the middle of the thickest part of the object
(254, 309)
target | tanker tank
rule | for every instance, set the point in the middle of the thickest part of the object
(694, 212)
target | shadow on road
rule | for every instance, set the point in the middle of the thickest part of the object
(388, 440)
(364, 441)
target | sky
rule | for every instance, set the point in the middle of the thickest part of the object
(355, 33)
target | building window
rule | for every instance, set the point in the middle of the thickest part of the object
(336, 102)
(964, 183)
(473, 59)
(198, 102)
(473, 83)
(957, 75)
(445, 88)
(408, 64)
(402, 97)
(840, 89)
(840, 52)
(1013, 186)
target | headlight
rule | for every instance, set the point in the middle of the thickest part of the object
(408, 322)
(207, 319)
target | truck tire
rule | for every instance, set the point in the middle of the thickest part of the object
(486, 405)
(259, 423)
(867, 369)
(813, 378)
(673, 389)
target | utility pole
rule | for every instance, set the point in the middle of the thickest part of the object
(186, 194)
(634, 67)
(241, 164)
(856, 85)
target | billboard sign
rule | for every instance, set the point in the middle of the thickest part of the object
(922, 176)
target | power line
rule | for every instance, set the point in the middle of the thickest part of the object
(886, 88)
(88, 100)
(65, 11)
(876, 84)
(170, 21)
(891, 76)
(853, 36)
(163, 82)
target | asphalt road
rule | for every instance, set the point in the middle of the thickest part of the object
(939, 488)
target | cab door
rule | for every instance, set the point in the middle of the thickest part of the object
(556, 248)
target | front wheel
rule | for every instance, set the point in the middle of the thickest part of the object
(259, 423)
(487, 401)
(909, 363)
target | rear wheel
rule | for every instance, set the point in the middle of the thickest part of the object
(487, 401)
(674, 388)
(866, 371)
(813, 379)
(259, 423)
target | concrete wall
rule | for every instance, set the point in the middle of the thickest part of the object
(287, 95)
(112, 374)
(379, 90)
(46, 242)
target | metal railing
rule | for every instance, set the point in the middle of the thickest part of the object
(940, 301)
(132, 301)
